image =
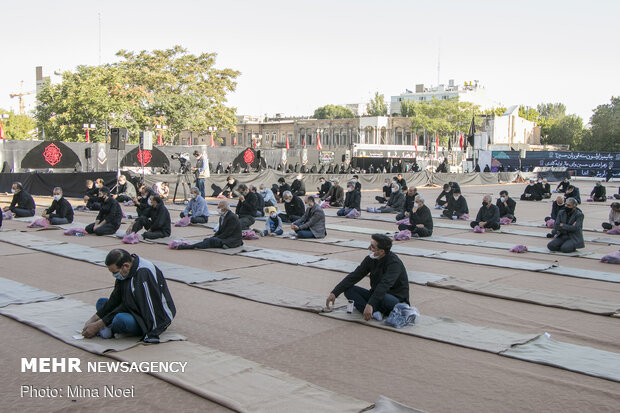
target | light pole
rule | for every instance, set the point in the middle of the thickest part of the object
(88, 127)
(2, 118)
(212, 129)
(160, 129)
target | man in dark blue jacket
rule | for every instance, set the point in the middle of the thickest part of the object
(389, 283)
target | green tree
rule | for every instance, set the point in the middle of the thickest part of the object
(528, 113)
(567, 130)
(407, 108)
(551, 110)
(605, 124)
(445, 117)
(173, 87)
(498, 111)
(18, 127)
(377, 106)
(333, 112)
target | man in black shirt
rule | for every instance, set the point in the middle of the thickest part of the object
(387, 192)
(420, 219)
(298, 187)
(531, 192)
(110, 215)
(599, 193)
(488, 215)
(156, 222)
(228, 234)
(61, 211)
(293, 206)
(324, 187)
(246, 206)
(402, 182)
(282, 189)
(447, 193)
(22, 204)
(457, 205)
(506, 206)
(389, 283)
(91, 198)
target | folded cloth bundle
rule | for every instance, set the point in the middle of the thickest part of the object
(613, 258)
(81, 208)
(403, 235)
(614, 231)
(132, 238)
(354, 213)
(248, 235)
(464, 216)
(324, 205)
(519, 249)
(550, 223)
(505, 221)
(183, 222)
(403, 221)
(8, 215)
(479, 230)
(39, 223)
(75, 231)
(402, 315)
(174, 244)
(129, 203)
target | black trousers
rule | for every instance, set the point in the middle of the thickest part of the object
(422, 232)
(288, 218)
(246, 221)
(494, 226)
(105, 229)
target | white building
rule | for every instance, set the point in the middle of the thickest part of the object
(510, 131)
(468, 92)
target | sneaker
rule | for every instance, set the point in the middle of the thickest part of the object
(377, 316)
(415, 235)
(454, 217)
(105, 332)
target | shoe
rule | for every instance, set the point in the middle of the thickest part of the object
(184, 247)
(106, 332)
(377, 316)
(415, 235)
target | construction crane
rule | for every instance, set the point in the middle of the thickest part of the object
(20, 95)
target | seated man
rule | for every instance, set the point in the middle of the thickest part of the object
(531, 192)
(282, 188)
(352, 200)
(412, 192)
(143, 201)
(293, 207)
(267, 194)
(228, 234)
(229, 190)
(298, 187)
(312, 223)
(61, 211)
(389, 283)
(22, 204)
(91, 198)
(563, 186)
(614, 217)
(573, 192)
(395, 205)
(545, 189)
(486, 168)
(335, 195)
(260, 201)
(447, 193)
(599, 193)
(402, 182)
(420, 219)
(157, 222)
(457, 206)
(568, 228)
(108, 220)
(324, 187)
(387, 192)
(246, 207)
(488, 215)
(273, 223)
(145, 312)
(125, 191)
(556, 206)
(506, 206)
(196, 208)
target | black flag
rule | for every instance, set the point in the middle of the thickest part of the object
(472, 132)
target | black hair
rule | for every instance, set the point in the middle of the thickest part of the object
(446, 186)
(118, 257)
(18, 185)
(503, 192)
(157, 199)
(281, 179)
(355, 176)
(570, 187)
(242, 187)
(104, 190)
(456, 191)
(383, 242)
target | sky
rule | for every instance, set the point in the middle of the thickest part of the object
(295, 56)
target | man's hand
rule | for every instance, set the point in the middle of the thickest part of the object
(46, 216)
(481, 224)
(91, 329)
(330, 299)
(294, 227)
(86, 198)
(561, 224)
(420, 226)
(368, 312)
(241, 198)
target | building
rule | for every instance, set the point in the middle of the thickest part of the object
(511, 132)
(469, 92)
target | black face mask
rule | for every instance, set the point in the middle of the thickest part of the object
(485, 203)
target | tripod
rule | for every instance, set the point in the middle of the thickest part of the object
(185, 181)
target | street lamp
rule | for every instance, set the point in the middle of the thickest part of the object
(212, 129)
(88, 127)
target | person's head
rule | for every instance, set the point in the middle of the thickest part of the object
(350, 186)
(419, 199)
(57, 193)
(411, 191)
(243, 189)
(164, 184)
(89, 184)
(503, 193)
(144, 190)
(194, 192)
(230, 180)
(565, 179)
(222, 207)
(559, 200)
(395, 187)
(487, 200)
(335, 181)
(380, 246)
(400, 176)
(281, 181)
(387, 181)
(17, 187)
(122, 180)
(155, 200)
(287, 196)
(271, 212)
(532, 181)
(262, 187)
(446, 187)
(356, 178)
(197, 154)
(104, 192)
(456, 193)
(119, 263)
(615, 206)
(599, 183)
(322, 180)
(544, 181)
(299, 177)
(310, 201)
(570, 189)
(395, 179)
(570, 204)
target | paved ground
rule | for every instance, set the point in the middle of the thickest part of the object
(348, 358)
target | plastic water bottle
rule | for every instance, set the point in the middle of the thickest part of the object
(79, 234)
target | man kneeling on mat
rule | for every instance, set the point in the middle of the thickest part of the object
(140, 304)
(228, 234)
(156, 222)
(389, 283)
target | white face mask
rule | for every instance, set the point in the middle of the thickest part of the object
(57, 197)
(287, 201)
(349, 189)
(194, 196)
(417, 204)
(221, 211)
(299, 177)
(456, 197)
(12, 191)
(231, 182)
(274, 215)
(502, 199)
(372, 255)
(394, 190)
(149, 202)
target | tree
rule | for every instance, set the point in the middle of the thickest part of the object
(377, 106)
(173, 87)
(498, 111)
(333, 112)
(605, 124)
(528, 113)
(551, 110)
(407, 108)
(18, 127)
(567, 130)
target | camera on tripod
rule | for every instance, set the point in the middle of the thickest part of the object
(183, 158)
